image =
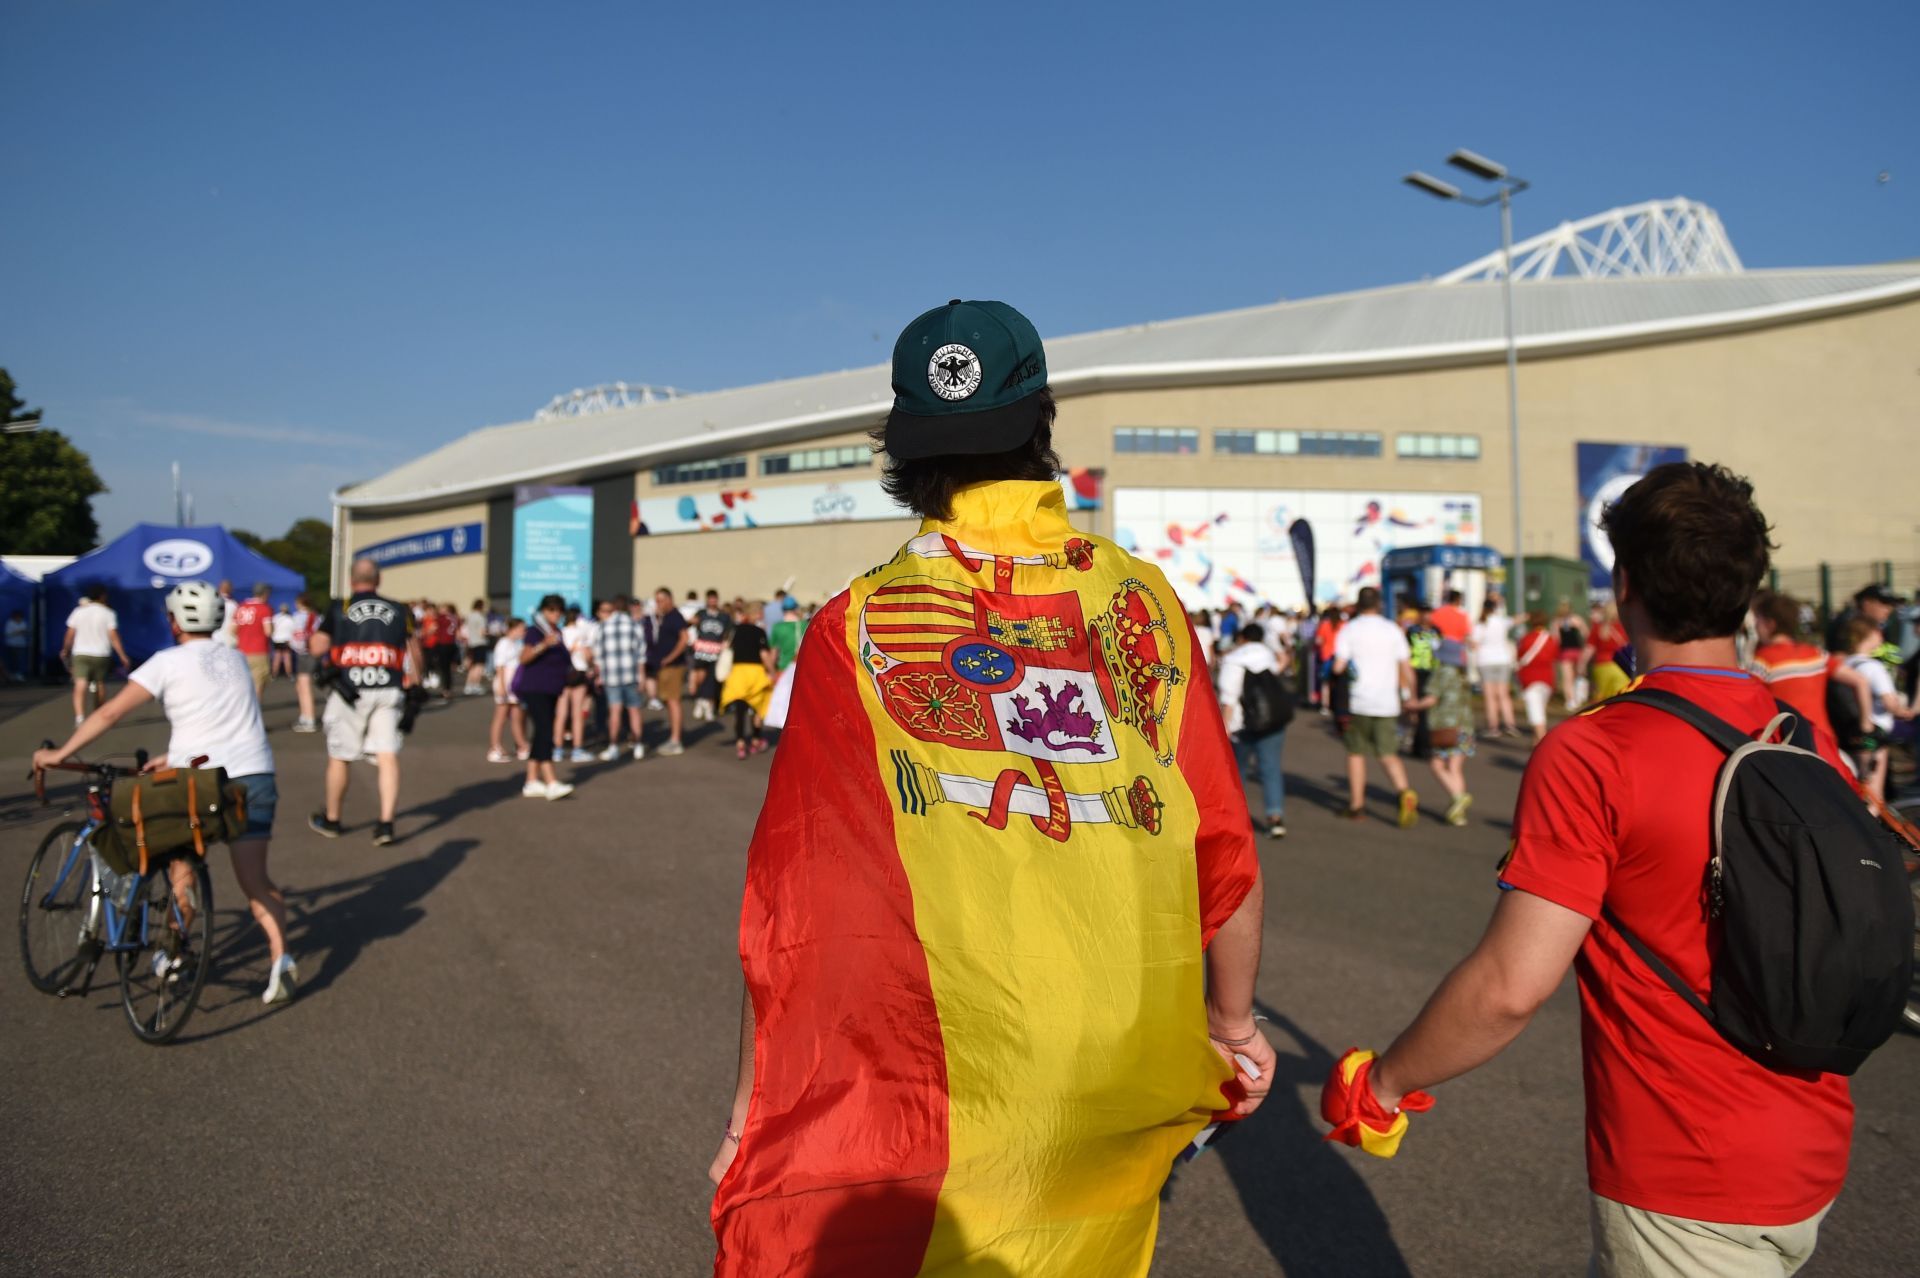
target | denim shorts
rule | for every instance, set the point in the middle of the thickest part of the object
(623, 694)
(262, 797)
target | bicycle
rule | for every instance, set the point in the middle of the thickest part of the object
(157, 921)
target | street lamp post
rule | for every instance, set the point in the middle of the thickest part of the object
(1509, 185)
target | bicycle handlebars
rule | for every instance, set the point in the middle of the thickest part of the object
(92, 769)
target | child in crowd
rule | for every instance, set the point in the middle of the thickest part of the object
(1870, 752)
(506, 706)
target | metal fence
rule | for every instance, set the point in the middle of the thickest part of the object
(1828, 587)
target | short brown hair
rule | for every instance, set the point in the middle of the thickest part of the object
(1694, 548)
(1781, 611)
(1859, 630)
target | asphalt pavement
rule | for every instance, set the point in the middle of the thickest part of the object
(513, 1048)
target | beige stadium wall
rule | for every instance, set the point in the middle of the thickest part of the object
(1821, 415)
(750, 562)
(1805, 410)
(456, 579)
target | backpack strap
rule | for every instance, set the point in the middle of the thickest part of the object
(1716, 729)
(1658, 968)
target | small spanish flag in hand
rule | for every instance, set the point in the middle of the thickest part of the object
(1358, 1119)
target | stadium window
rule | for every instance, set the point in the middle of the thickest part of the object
(847, 457)
(701, 471)
(1293, 443)
(1156, 439)
(1441, 447)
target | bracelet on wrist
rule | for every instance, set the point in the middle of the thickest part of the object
(731, 1134)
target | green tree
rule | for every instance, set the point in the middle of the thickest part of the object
(307, 548)
(47, 486)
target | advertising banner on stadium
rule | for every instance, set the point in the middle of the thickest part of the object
(1236, 543)
(433, 543)
(552, 546)
(1604, 472)
(834, 502)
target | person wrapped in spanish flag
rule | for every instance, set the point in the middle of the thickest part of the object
(1002, 913)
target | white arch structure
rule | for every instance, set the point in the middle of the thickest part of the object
(604, 399)
(1660, 237)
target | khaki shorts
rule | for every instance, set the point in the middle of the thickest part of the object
(371, 725)
(1631, 1242)
(671, 681)
(92, 670)
(1372, 737)
(259, 667)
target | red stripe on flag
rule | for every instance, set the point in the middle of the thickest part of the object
(961, 595)
(845, 1145)
(1224, 859)
(966, 614)
(919, 630)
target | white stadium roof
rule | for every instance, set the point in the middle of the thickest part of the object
(1408, 326)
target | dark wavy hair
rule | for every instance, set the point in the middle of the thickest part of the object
(926, 485)
(1694, 547)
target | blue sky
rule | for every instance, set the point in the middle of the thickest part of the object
(292, 246)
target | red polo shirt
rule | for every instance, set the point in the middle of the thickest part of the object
(253, 627)
(1615, 807)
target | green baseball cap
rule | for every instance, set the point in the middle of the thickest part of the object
(966, 377)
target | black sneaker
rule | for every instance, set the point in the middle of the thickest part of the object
(321, 826)
(383, 834)
(1276, 829)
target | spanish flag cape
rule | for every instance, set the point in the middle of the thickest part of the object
(1002, 824)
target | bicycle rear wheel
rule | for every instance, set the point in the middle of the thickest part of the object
(55, 909)
(160, 982)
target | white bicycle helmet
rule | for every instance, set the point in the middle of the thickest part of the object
(196, 607)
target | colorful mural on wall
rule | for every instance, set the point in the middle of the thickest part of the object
(1233, 543)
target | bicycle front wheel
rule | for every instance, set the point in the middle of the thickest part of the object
(172, 922)
(55, 909)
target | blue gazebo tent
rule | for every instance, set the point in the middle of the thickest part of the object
(17, 593)
(141, 565)
(1421, 572)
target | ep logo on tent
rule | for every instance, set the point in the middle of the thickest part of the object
(177, 557)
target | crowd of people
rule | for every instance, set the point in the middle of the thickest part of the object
(1404, 688)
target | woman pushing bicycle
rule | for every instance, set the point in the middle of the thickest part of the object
(207, 694)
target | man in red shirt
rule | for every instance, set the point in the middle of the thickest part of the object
(253, 634)
(1700, 1159)
(1798, 673)
(1451, 620)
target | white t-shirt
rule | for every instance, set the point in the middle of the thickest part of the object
(506, 659)
(475, 628)
(283, 627)
(302, 627)
(92, 625)
(1373, 648)
(578, 639)
(224, 634)
(1879, 684)
(1240, 661)
(1493, 640)
(207, 693)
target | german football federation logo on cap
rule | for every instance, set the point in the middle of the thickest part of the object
(954, 372)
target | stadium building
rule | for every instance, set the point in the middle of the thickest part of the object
(1380, 417)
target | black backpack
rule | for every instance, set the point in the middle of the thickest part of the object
(1815, 950)
(1266, 706)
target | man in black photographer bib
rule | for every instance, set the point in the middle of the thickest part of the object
(371, 654)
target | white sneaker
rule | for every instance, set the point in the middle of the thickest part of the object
(581, 756)
(673, 747)
(655, 703)
(79, 719)
(522, 755)
(558, 790)
(498, 756)
(281, 980)
(639, 751)
(304, 725)
(534, 790)
(609, 754)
